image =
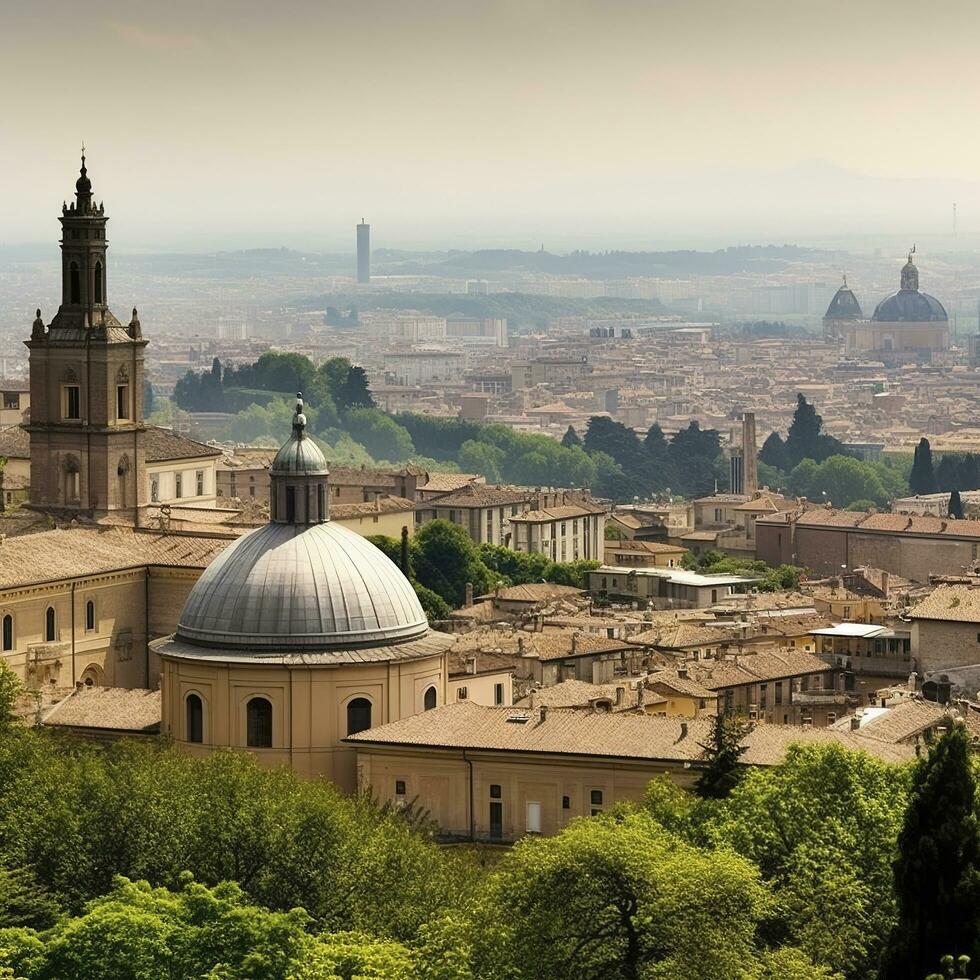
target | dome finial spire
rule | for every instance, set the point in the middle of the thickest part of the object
(844, 277)
(299, 418)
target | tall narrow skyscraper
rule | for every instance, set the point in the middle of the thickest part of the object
(363, 252)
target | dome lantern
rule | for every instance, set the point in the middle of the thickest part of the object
(299, 477)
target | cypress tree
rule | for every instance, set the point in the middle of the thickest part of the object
(803, 438)
(922, 478)
(955, 505)
(571, 438)
(722, 753)
(937, 871)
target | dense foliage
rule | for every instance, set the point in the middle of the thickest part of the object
(782, 578)
(136, 861)
(811, 464)
(443, 559)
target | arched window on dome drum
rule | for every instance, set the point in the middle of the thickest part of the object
(258, 724)
(358, 715)
(290, 505)
(98, 282)
(89, 616)
(8, 632)
(74, 284)
(195, 718)
(49, 625)
(321, 503)
(429, 701)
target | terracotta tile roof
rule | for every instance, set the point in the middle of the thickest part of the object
(894, 523)
(15, 442)
(114, 708)
(952, 603)
(650, 547)
(681, 636)
(385, 504)
(534, 592)
(481, 495)
(461, 663)
(563, 512)
(751, 668)
(162, 444)
(664, 681)
(446, 482)
(567, 731)
(71, 552)
(902, 721)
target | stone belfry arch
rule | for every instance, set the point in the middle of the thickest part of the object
(86, 373)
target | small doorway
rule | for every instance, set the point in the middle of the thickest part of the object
(496, 820)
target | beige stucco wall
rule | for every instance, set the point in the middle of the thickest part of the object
(938, 644)
(166, 473)
(480, 688)
(388, 524)
(309, 707)
(438, 780)
(113, 654)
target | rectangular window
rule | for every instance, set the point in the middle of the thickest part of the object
(154, 489)
(490, 526)
(566, 803)
(290, 505)
(399, 787)
(533, 823)
(460, 693)
(199, 477)
(495, 791)
(178, 485)
(763, 694)
(778, 693)
(595, 798)
(71, 407)
(122, 401)
(11, 400)
(498, 693)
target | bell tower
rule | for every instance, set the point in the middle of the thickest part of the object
(86, 373)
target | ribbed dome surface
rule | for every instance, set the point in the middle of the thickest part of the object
(301, 587)
(844, 306)
(909, 306)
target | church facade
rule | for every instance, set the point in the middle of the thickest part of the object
(908, 325)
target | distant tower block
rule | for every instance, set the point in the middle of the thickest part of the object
(363, 252)
(750, 463)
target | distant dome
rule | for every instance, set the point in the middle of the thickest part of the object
(294, 587)
(908, 305)
(844, 305)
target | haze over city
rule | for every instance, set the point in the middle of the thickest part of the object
(578, 123)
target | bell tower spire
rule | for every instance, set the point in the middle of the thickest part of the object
(86, 427)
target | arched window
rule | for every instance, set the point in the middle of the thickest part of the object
(74, 284)
(358, 715)
(429, 701)
(195, 718)
(90, 615)
(49, 625)
(98, 282)
(8, 632)
(258, 724)
(321, 503)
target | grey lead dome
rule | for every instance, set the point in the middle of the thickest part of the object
(289, 587)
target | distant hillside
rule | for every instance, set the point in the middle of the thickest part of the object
(520, 309)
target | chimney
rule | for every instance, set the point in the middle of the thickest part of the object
(544, 711)
(620, 693)
(472, 665)
(855, 723)
(520, 646)
(498, 588)
(682, 673)
(683, 730)
(640, 694)
(884, 585)
(574, 642)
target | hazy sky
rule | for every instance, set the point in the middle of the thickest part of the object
(459, 122)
